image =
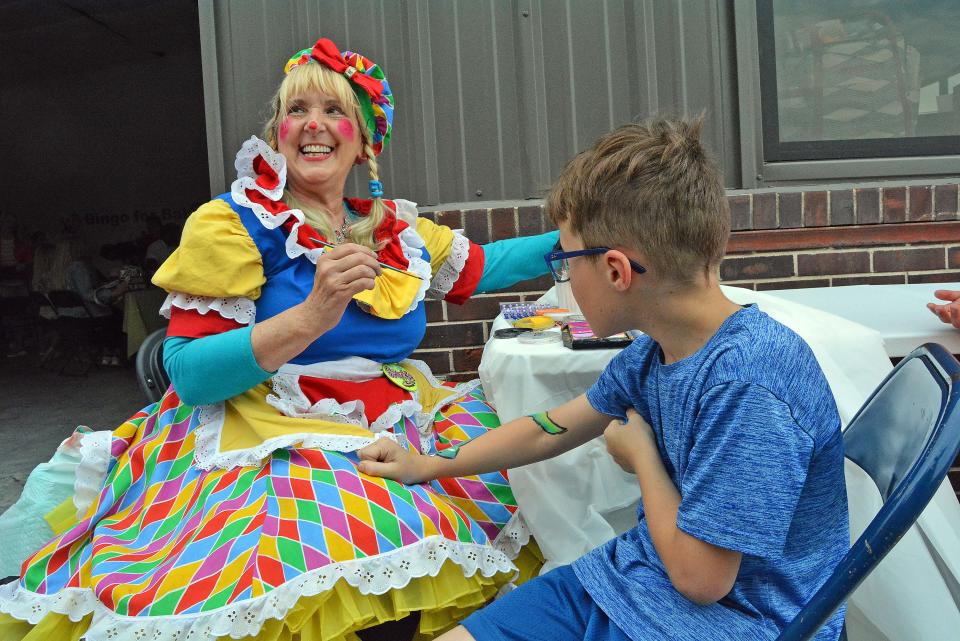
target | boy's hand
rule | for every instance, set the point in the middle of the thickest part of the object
(626, 441)
(387, 459)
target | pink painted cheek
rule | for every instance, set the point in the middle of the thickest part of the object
(346, 129)
(284, 129)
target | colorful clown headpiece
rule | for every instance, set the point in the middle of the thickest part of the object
(367, 80)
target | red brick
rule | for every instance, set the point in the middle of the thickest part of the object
(475, 225)
(815, 209)
(467, 360)
(945, 201)
(452, 219)
(793, 284)
(439, 362)
(953, 257)
(909, 260)
(921, 205)
(529, 221)
(488, 328)
(502, 223)
(434, 310)
(889, 279)
(868, 206)
(828, 263)
(478, 308)
(841, 207)
(937, 277)
(751, 267)
(771, 240)
(894, 204)
(739, 212)
(765, 211)
(791, 210)
(541, 284)
(459, 335)
(545, 220)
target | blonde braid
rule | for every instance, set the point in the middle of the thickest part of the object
(362, 232)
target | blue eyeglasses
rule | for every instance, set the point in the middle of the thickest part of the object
(558, 259)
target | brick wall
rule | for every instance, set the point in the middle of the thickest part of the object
(780, 240)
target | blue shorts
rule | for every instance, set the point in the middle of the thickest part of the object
(552, 607)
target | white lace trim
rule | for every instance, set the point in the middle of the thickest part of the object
(394, 413)
(288, 397)
(238, 308)
(209, 456)
(449, 272)
(95, 455)
(411, 243)
(356, 369)
(247, 177)
(406, 211)
(373, 575)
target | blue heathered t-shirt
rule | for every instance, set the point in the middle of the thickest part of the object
(749, 432)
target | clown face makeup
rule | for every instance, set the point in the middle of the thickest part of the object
(320, 142)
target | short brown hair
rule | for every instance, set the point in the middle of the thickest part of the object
(652, 187)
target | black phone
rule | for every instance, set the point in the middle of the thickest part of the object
(510, 332)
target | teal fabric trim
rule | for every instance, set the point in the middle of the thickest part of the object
(510, 261)
(213, 368)
(450, 452)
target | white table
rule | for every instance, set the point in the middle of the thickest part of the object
(898, 312)
(580, 499)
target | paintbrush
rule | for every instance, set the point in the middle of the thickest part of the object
(384, 265)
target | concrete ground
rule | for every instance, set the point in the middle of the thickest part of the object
(39, 408)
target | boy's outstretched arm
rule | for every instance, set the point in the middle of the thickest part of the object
(513, 444)
(700, 571)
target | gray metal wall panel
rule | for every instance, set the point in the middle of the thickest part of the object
(493, 96)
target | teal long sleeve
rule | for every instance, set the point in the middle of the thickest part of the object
(507, 262)
(213, 368)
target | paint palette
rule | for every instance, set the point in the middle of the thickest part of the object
(577, 334)
(516, 311)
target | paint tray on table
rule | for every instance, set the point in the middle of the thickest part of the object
(577, 334)
(516, 311)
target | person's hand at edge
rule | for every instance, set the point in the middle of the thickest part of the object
(949, 313)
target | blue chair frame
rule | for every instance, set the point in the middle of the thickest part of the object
(906, 437)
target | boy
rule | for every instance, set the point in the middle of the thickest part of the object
(722, 413)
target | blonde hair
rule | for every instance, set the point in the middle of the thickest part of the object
(50, 262)
(652, 187)
(316, 77)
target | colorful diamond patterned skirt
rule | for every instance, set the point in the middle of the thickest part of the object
(302, 547)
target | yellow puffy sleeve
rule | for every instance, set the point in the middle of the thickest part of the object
(438, 240)
(216, 257)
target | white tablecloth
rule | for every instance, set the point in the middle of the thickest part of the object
(898, 312)
(581, 499)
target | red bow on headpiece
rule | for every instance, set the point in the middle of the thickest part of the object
(327, 54)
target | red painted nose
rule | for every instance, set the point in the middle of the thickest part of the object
(312, 125)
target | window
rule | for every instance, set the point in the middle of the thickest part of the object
(859, 79)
